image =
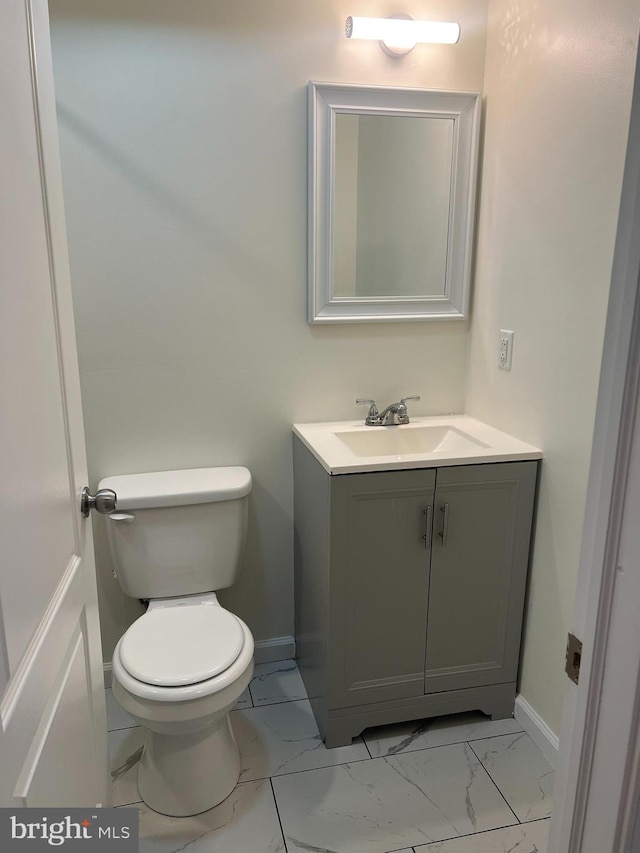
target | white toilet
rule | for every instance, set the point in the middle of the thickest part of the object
(176, 537)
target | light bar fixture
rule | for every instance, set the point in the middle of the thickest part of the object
(400, 34)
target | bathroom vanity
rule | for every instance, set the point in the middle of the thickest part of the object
(411, 555)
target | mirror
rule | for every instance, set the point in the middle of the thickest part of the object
(392, 195)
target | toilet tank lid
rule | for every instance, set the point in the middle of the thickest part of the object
(178, 488)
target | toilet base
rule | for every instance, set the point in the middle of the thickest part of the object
(182, 775)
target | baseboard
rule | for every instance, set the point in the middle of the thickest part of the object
(266, 651)
(277, 648)
(539, 732)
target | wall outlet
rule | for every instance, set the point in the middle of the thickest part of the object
(505, 349)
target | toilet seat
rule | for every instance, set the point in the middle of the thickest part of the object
(158, 693)
(181, 645)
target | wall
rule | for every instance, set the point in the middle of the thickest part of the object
(183, 136)
(558, 95)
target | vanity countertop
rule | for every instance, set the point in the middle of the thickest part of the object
(350, 447)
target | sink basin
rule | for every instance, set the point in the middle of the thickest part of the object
(350, 447)
(389, 441)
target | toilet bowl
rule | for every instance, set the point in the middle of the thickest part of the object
(176, 537)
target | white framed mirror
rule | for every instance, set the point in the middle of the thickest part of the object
(392, 182)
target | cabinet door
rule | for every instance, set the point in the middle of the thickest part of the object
(481, 533)
(379, 585)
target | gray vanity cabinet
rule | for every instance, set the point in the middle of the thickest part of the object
(409, 590)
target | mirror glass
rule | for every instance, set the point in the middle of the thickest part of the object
(391, 202)
(391, 205)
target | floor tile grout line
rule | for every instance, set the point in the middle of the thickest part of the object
(535, 820)
(275, 802)
(366, 747)
(465, 835)
(439, 745)
(282, 702)
(479, 832)
(490, 737)
(495, 783)
(124, 728)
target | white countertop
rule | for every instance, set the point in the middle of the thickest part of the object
(349, 447)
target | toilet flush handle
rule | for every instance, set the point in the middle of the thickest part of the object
(124, 517)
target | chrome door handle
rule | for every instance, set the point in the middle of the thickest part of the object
(104, 501)
(428, 525)
(444, 509)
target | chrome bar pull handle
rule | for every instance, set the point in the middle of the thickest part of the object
(428, 526)
(444, 509)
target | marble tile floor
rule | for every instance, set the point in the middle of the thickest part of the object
(458, 784)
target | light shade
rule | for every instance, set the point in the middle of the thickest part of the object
(400, 35)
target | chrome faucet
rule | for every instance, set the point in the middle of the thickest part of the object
(394, 414)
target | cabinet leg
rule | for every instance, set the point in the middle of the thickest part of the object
(501, 708)
(339, 733)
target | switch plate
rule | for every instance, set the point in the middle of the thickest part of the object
(505, 349)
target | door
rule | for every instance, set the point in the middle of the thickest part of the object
(597, 799)
(52, 714)
(481, 535)
(380, 552)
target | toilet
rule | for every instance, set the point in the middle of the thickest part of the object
(176, 538)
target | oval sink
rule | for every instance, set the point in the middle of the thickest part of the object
(393, 440)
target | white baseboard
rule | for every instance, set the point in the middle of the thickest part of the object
(266, 651)
(539, 732)
(277, 648)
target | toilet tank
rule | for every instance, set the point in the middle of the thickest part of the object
(176, 533)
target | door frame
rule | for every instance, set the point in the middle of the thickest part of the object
(598, 790)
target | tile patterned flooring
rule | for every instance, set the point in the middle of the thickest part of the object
(459, 784)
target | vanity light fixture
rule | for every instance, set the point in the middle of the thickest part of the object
(399, 34)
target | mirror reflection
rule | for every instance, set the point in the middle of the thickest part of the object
(391, 205)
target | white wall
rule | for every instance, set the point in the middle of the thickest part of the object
(558, 94)
(183, 136)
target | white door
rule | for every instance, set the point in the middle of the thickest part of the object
(597, 800)
(52, 714)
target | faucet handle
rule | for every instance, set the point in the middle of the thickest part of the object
(404, 399)
(373, 411)
(373, 416)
